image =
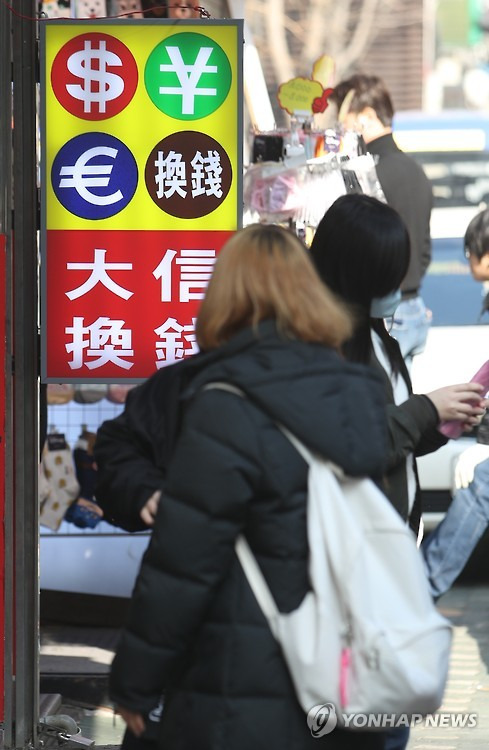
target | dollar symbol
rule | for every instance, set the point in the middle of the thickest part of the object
(99, 86)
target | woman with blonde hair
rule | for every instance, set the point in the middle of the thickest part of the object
(195, 631)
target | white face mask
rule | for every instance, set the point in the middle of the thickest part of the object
(384, 307)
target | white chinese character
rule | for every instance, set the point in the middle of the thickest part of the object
(188, 77)
(195, 271)
(99, 273)
(170, 175)
(206, 175)
(196, 268)
(163, 271)
(95, 340)
(177, 341)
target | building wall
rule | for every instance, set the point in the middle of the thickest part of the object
(396, 55)
(395, 51)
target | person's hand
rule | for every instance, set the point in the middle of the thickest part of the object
(466, 463)
(477, 419)
(148, 511)
(133, 719)
(462, 402)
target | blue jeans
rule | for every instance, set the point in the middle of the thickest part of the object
(447, 549)
(410, 327)
(397, 738)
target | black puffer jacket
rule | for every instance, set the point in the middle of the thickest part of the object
(133, 450)
(195, 631)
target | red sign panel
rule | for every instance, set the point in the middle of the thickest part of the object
(121, 313)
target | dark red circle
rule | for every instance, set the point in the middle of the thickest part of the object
(186, 143)
(108, 65)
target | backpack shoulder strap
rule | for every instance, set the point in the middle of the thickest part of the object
(255, 578)
(223, 386)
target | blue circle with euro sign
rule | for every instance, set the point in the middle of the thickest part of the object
(94, 176)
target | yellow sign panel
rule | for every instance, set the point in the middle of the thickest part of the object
(142, 125)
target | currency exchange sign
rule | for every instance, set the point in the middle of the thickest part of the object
(141, 186)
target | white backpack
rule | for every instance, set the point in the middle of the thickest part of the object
(367, 637)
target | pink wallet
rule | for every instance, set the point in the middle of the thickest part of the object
(453, 428)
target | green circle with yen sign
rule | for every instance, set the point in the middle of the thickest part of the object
(188, 76)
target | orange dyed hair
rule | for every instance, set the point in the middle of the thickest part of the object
(264, 272)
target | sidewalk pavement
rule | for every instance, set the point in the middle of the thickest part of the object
(75, 663)
(467, 607)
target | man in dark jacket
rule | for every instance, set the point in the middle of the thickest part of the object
(365, 106)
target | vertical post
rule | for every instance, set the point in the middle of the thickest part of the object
(3, 270)
(6, 528)
(26, 384)
(431, 94)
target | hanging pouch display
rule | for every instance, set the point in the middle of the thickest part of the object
(85, 513)
(117, 392)
(58, 486)
(59, 393)
(90, 393)
(127, 8)
(90, 9)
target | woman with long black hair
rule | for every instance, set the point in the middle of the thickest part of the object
(361, 251)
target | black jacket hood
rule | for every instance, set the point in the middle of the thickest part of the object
(336, 408)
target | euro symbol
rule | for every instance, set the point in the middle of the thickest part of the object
(99, 86)
(80, 179)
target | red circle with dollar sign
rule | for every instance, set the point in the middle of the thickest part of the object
(94, 76)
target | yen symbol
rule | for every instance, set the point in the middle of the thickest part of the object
(188, 76)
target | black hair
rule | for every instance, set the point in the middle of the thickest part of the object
(361, 251)
(476, 239)
(367, 91)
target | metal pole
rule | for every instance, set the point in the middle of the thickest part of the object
(6, 231)
(5, 119)
(26, 386)
(429, 54)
